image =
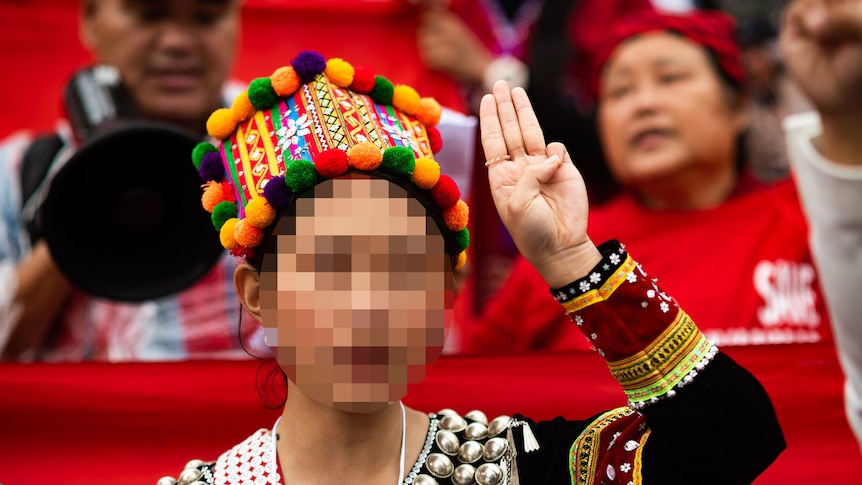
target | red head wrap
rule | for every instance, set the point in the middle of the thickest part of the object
(711, 29)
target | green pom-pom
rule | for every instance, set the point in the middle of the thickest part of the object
(462, 240)
(223, 211)
(399, 160)
(261, 94)
(383, 90)
(200, 150)
(300, 175)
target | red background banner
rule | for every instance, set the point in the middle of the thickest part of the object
(133, 423)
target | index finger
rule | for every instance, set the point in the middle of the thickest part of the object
(493, 142)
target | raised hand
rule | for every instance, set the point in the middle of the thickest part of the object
(821, 41)
(539, 193)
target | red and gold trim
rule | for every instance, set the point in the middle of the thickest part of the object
(664, 363)
(610, 449)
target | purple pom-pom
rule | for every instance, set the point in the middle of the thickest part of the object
(277, 193)
(211, 167)
(308, 65)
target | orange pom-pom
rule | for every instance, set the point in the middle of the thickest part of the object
(284, 81)
(242, 108)
(221, 124)
(406, 99)
(429, 111)
(259, 213)
(339, 72)
(364, 156)
(456, 217)
(247, 235)
(213, 194)
(226, 234)
(426, 173)
(462, 260)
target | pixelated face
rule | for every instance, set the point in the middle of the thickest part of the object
(357, 299)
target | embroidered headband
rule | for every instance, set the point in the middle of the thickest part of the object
(711, 29)
(314, 120)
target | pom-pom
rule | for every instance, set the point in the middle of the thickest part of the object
(405, 99)
(221, 123)
(212, 167)
(462, 239)
(429, 112)
(363, 80)
(308, 65)
(462, 260)
(446, 192)
(284, 81)
(399, 160)
(434, 139)
(339, 72)
(200, 150)
(229, 192)
(383, 90)
(261, 94)
(223, 212)
(259, 213)
(226, 234)
(300, 175)
(331, 163)
(242, 107)
(456, 216)
(364, 156)
(426, 173)
(213, 194)
(247, 235)
(277, 193)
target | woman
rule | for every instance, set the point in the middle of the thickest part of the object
(672, 117)
(349, 268)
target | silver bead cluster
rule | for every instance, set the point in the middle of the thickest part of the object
(476, 462)
(191, 475)
(688, 379)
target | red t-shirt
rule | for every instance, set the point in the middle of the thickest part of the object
(743, 271)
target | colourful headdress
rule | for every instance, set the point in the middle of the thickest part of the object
(713, 30)
(313, 120)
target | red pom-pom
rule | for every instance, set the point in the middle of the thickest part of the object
(434, 139)
(331, 163)
(228, 191)
(363, 79)
(446, 192)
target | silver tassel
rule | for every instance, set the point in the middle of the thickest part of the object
(530, 442)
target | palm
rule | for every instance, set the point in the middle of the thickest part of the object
(543, 206)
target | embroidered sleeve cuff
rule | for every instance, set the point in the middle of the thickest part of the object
(651, 345)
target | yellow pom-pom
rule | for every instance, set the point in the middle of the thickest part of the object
(284, 81)
(259, 213)
(456, 216)
(221, 124)
(226, 234)
(364, 156)
(213, 194)
(247, 235)
(429, 111)
(426, 173)
(339, 72)
(406, 99)
(242, 108)
(462, 260)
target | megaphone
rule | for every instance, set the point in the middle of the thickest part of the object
(122, 217)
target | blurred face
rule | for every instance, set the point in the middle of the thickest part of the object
(663, 111)
(173, 55)
(357, 298)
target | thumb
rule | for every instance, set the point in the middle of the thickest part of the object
(543, 172)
